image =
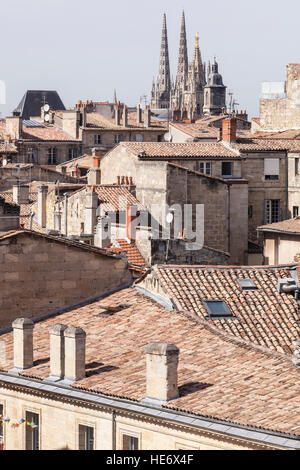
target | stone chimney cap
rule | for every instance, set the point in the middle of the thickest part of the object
(73, 331)
(58, 329)
(23, 323)
(43, 187)
(161, 348)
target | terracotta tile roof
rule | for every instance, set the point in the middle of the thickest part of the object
(97, 120)
(263, 316)
(290, 134)
(116, 197)
(48, 133)
(24, 208)
(185, 150)
(254, 144)
(218, 377)
(7, 148)
(134, 256)
(289, 226)
(198, 129)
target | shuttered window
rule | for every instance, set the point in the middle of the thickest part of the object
(130, 442)
(32, 431)
(86, 437)
(271, 168)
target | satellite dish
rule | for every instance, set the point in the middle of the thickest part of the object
(4, 163)
(47, 117)
(46, 108)
(168, 137)
(169, 218)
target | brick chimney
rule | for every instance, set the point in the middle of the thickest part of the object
(74, 353)
(161, 377)
(138, 114)
(57, 352)
(94, 175)
(125, 116)
(117, 114)
(42, 205)
(14, 127)
(23, 343)
(131, 215)
(147, 116)
(21, 194)
(229, 127)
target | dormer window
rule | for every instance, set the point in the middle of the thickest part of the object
(247, 284)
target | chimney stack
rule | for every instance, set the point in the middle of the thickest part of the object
(23, 343)
(74, 353)
(14, 126)
(91, 206)
(94, 175)
(229, 127)
(139, 114)
(131, 215)
(147, 116)
(21, 194)
(125, 116)
(42, 205)
(117, 114)
(162, 364)
(57, 352)
(103, 233)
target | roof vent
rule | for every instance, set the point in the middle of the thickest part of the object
(286, 286)
(217, 309)
(108, 310)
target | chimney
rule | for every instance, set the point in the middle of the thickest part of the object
(42, 205)
(14, 127)
(21, 194)
(103, 233)
(162, 363)
(125, 116)
(74, 353)
(117, 114)
(147, 116)
(229, 130)
(296, 354)
(57, 352)
(138, 114)
(131, 215)
(94, 174)
(23, 343)
(91, 206)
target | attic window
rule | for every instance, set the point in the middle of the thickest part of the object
(108, 310)
(217, 309)
(247, 284)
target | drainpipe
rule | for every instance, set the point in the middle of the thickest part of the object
(31, 215)
(228, 218)
(65, 215)
(286, 184)
(113, 430)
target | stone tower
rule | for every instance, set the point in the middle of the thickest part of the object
(160, 94)
(214, 92)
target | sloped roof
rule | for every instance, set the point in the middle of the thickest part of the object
(219, 377)
(97, 120)
(33, 100)
(288, 226)
(133, 254)
(263, 316)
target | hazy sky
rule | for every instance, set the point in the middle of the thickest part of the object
(86, 48)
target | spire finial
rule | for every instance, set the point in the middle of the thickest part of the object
(197, 40)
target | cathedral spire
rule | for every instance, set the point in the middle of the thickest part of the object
(164, 81)
(182, 71)
(197, 64)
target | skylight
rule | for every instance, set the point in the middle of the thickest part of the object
(247, 284)
(217, 309)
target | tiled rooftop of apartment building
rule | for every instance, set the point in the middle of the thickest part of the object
(184, 150)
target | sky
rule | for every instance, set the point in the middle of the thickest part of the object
(86, 49)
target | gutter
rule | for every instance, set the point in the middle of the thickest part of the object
(263, 437)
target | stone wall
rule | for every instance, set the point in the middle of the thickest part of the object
(40, 275)
(9, 216)
(10, 176)
(41, 150)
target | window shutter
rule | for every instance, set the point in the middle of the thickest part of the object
(272, 166)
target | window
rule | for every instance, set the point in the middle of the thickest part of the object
(250, 212)
(203, 167)
(86, 437)
(32, 431)
(52, 156)
(296, 166)
(226, 169)
(73, 153)
(272, 211)
(139, 138)
(295, 211)
(130, 442)
(1, 429)
(271, 168)
(217, 309)
(97, 139)
(160, 138)
(32, 155)
(118, 138)
(247, 284)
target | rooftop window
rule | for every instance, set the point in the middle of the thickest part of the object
(217, 309)
(247, 284)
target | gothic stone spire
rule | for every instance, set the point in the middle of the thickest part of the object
(164, 82)
(182, 71)
(197, 63)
